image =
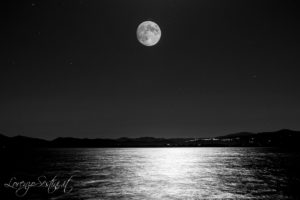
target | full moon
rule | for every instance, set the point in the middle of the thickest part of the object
(148, 33)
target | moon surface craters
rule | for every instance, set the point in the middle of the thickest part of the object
(148, 33)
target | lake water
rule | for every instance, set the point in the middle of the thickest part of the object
(159, 173)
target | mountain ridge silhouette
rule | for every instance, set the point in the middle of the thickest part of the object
(280, 138)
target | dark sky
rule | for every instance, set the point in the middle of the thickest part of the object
(74, 68)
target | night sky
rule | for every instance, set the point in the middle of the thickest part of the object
(74, 68)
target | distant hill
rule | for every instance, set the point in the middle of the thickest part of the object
(234, 135)
(27, 141)
(281, 138)
(3, 136)
(3, 139)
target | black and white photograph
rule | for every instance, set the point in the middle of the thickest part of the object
(150, 100)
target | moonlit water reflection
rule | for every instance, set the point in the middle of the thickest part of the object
(181, 173)
(161, 173)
